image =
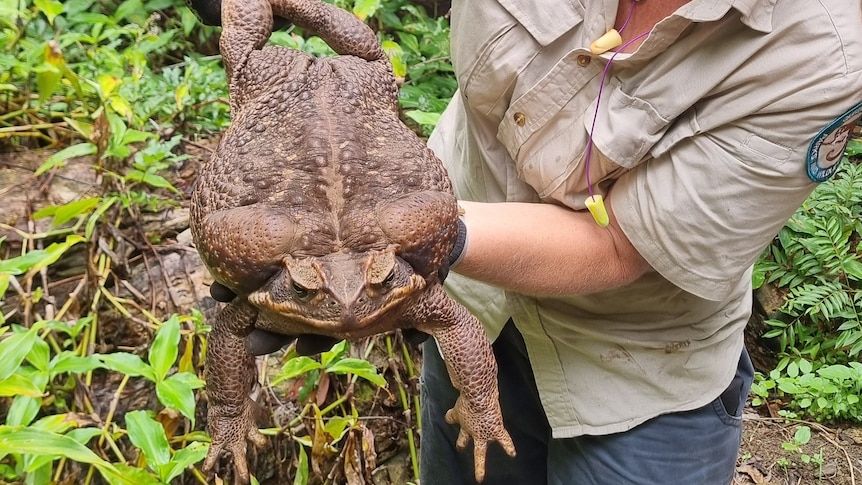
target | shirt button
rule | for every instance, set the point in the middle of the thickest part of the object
(583, 60)
(520, 118)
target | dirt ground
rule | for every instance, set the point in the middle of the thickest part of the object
(764, 461)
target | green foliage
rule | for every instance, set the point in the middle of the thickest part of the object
(116, 66)
(418, 47)
(827, 392)
(816, 263)
(331, 362)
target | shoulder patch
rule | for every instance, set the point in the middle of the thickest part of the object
(827, 148)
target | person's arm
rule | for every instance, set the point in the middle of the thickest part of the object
(544, 249)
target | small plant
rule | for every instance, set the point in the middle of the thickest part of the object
(796, 445)
(825, 393)
(816, 262)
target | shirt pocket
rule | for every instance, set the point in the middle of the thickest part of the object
(493, 42)
(543, 130)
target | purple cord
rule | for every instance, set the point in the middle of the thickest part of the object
(589, 152)
(631, 12)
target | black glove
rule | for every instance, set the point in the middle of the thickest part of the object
(457, 251)
(209, 13)
(262, 342)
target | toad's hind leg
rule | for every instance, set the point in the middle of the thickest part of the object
(472, 369)
(230, 379)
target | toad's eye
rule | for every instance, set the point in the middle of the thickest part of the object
(301, 291)
(390, 278)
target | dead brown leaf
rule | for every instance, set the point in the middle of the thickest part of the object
(755, 474)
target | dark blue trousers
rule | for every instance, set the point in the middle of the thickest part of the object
(697, 447)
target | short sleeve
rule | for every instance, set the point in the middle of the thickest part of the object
(702, 212)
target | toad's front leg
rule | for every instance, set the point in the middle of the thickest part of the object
(472, 369)
(230, 380)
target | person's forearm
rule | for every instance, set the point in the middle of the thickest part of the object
(543, 249)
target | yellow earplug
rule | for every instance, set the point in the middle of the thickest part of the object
(610, 40)
(596, 205)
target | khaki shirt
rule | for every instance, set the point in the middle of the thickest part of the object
(707, 131)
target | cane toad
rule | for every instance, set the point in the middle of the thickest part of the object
(326, 215)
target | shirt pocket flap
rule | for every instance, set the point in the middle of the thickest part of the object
(546, 21)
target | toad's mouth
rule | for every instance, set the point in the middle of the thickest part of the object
(347, 319)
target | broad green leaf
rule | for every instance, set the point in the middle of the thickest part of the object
(804, 366)
(47, 80)
(301, 477)
(337, 427)
(410, 42)
(361, 368)
(39, 470)
(123, 474)
(51, 8)
(793, 369)
(854, 148)
(69, 362)
(56, 423)
(66, 212)
(69, 328)
(107, 84)
(121, 106)
(84, 435)
(23, 410)
(181, 94)
(788, 386)
(53, 252)
(163, 352)
(182, 459)
(148, 434)
(84, 128)
(188, 20)
(14, 348)
(295, 367)
(149, 178)
(802, 435)
(758, 276)
(94, 217)
(177, 392)
(58, 159)
(29, 441)
(18, 385)
(333, 354)
(835, 372)
(129, 8)
(423, 117)
(853, 268)
(129, 364)
(4, 285)
(396, 58)
(365, 8)
(136, 136)
(9, 12)
(39, 355)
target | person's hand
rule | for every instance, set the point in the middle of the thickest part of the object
(262, 342)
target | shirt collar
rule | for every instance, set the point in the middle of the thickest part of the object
(756, 14)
